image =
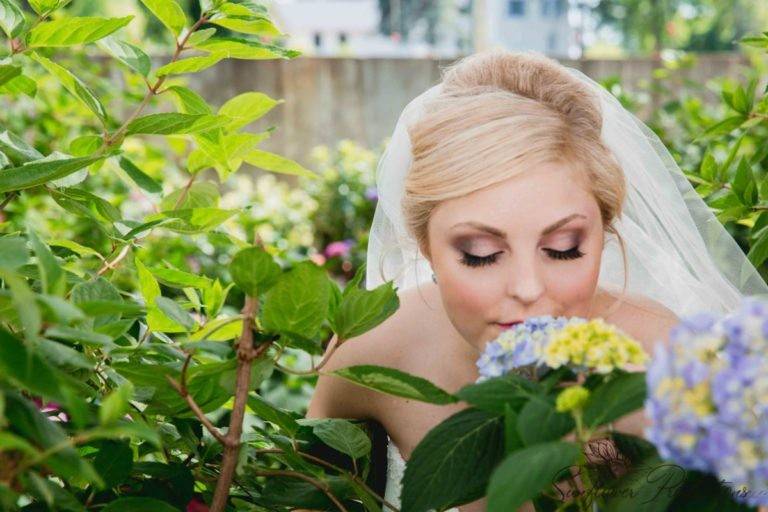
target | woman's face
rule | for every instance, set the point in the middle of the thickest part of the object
(530, 245)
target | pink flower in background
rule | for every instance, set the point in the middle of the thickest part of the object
(339, 248)
(318, 258)
(197, 505)
(51, 407)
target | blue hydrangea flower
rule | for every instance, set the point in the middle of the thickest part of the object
(708, 398)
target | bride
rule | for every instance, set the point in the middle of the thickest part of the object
(519, 187)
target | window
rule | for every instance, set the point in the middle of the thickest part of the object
(551, 41)
(318, 39)
(516, 8)
(342, 37)
(553, 8)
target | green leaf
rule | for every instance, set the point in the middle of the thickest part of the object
(189, 101)
(758, 253)
(395, 382)
(130, 55)
(622, 394)
(16, 149)
(38, 173)
(525, 473)
(51, 274)
(73, 84)
(340, 435)
(8, 72)
(256, 25)
(744, 185)
(169, 13)
(190, 65)
(157, 319)
(276, 163)
(272, 414)
(22, 84)
(199, 36)
(642, 490)
(175, 312)
(723, 127)
(298, 302)
(200, 195)
(361, 310)
(71, 31)
(453, 462)
(174, 123)
(236, 48)
(495, 394)
(26, 369)
(114, 462)
(246, 108)
(75, 247)
(539, 421)
(143, 180)
(85, 145)
(24, 302)
(46, 6)
(193, 220)
(13, 252)
(254, 271)
(12, 18)
(133, 504)
(116, 404)
(99, 290)
(180, 279)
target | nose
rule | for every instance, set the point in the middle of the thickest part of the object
(524, 280)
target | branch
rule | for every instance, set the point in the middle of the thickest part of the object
(197, 410)
(246, 354)
(301, 476)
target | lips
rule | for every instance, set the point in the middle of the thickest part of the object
(509, 325)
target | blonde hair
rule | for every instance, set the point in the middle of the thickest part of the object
(500, 112)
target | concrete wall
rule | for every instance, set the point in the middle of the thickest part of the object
(327, 99)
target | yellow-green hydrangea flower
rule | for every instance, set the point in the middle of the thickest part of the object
(571, 399)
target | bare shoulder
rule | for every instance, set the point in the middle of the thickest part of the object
(385, 345)
(643, 318)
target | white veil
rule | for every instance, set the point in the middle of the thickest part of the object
(678, 253)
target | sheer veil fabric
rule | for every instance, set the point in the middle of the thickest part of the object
(678, 253)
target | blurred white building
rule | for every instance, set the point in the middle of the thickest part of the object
(540, 25)
(351, 28)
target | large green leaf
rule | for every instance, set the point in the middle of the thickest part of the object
(361, 310)
(46, 6)
(254, 270)
(175, 123)
(649, 486)
(276, 163)
(495, 394)
(132, 504)
(157, 319)
(26, 369)
(539, 421)
(298, 302)
(341, 435)
(395, 382)
(249, 49)
(453, 462)
(190, 65)
(620, 395)
(73, 84)
(72, 31)
(193, 220)
(169, 12)
(21, 84)
(11, 18)
(525, 473)
(246, 108)
(189, 101)
(13, 252)
(17, 149)
(38, 173)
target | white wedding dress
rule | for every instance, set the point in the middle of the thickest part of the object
(395, 472)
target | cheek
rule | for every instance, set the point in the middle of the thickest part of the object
(468, 296)
(574, 284)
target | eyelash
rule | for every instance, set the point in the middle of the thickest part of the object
(479, 261)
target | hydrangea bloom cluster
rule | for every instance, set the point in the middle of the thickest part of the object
(708, 398)
(547, 341)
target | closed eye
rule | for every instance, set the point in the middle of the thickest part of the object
(472, 260)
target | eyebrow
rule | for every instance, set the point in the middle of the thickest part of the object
(497, 232)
